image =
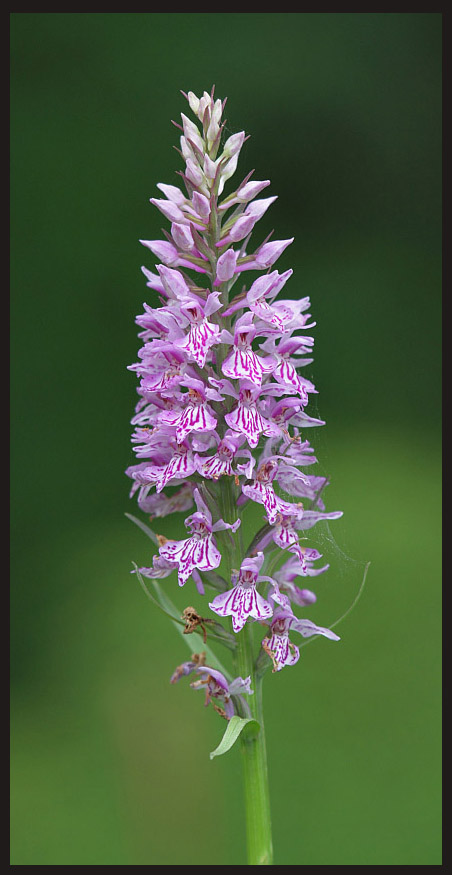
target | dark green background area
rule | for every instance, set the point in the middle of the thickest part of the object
(110, 763)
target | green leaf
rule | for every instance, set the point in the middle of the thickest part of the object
(172, 614)
(144, 528)
(234, 728)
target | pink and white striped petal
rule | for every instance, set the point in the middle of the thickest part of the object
(215, 466)
(196, 416)
(286, 374)
(264, 494)
(240, 603)
(199, 340)
(246, 419)
(285, 536)
(282, 651)
(181, 466)
(198, 552)
(245, 364)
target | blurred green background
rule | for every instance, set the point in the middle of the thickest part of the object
(109, 762)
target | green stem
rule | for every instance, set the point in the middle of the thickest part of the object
(254, 757)
(253, 748)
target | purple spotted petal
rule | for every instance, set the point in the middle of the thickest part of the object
(247, 420)
(244, 364)
(199, 340)
(283, 651)
(182, 465)
(285, 536)
(199, 552)
(197, 416)
(240, 603)
(264, 494)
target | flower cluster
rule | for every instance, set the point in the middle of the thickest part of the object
(221, 416)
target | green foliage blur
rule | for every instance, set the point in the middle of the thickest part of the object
(110, 763)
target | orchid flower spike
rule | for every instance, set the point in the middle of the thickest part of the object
(219, 423)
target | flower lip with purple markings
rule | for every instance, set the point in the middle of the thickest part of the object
(243, 601)
(200, 550)
(242, 362)
(278, 646)
(262, 491)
